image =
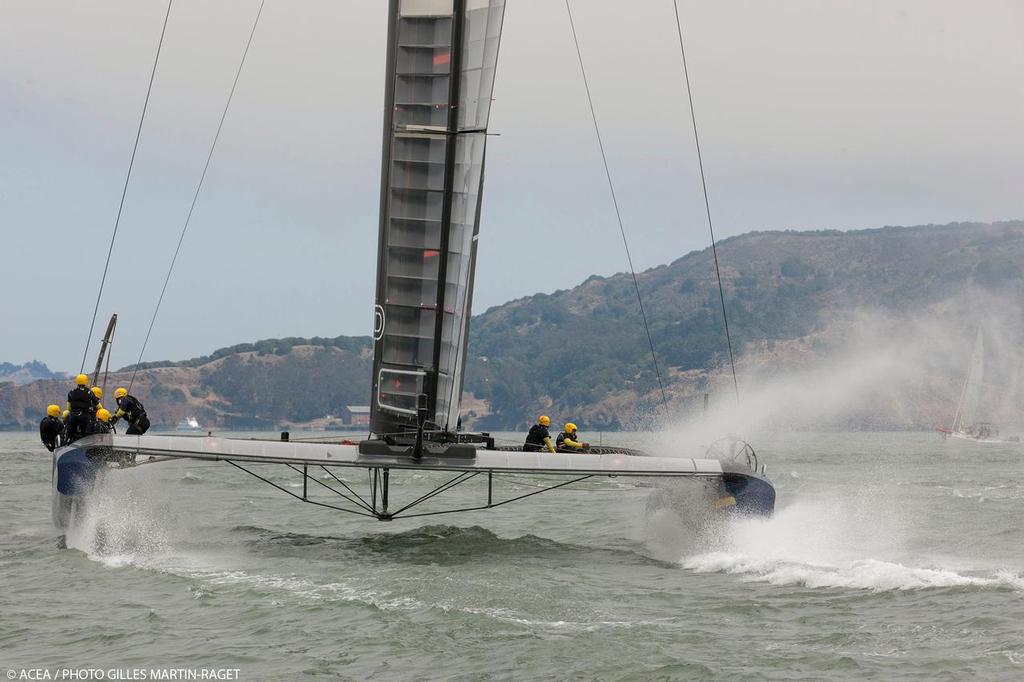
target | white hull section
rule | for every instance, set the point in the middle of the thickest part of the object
(212, 448)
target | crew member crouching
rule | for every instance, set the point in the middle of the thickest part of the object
(51, 428)
(538, 439)
(131, 410)
(568, 441)
(102, 422)
(98, 392)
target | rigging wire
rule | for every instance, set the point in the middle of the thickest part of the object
(195, 197)
(124, 190)
(615, 202)
(707, 203)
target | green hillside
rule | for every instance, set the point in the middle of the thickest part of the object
(575, 346)
(584, 352)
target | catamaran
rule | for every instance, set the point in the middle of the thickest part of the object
(441, 61)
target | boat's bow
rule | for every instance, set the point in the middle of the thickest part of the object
(75, 470)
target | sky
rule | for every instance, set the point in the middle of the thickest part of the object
(845, 114)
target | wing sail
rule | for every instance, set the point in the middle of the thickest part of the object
(440, 74)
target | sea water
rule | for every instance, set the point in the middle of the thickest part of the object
(890, 556)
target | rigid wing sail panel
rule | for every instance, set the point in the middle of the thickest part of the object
(440, 66)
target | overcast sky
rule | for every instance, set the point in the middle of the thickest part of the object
(813, 114)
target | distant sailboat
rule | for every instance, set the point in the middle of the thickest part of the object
(189, 424)
(966, 424)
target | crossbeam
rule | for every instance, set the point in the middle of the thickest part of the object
(345, 455)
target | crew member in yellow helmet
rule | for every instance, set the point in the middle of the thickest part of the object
(538, 439)
(51, 428)
(82, 404)
(131, 410)
(569, 441)
(102, 421)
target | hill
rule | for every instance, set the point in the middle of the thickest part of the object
(27, 373)
(584, 351)
(249, 386)
(797, 301)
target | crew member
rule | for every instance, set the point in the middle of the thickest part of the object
(131, 410)
(568, 441)
(538, 439)
(82, 405)
(102, 422)
(98, 392)
(51, 428)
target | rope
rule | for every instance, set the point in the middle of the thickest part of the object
(124, 191)
(707, 203)
(195, 197)
(615, 202)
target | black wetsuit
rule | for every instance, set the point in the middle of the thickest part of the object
(134, 413)
(98, 426)
(535, 438)
(82, 405)
(560, 442)
(50, 431)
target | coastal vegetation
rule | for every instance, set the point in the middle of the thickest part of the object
(584, 351)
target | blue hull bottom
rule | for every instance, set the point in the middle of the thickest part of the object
(754, 495)
(76, 468)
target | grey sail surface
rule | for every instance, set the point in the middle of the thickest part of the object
(440, 75)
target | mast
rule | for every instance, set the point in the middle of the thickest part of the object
(440, 75)
(108, 338)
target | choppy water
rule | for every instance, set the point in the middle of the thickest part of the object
(891, 556)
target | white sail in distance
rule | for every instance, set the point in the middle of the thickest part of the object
(970, 396)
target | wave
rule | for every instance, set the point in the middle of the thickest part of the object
(842, 543)
(209, 581)
(867, 574)
(434, 544)
(385, 600)
(300, 587)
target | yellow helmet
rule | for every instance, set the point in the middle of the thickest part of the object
(544, 420)
(120, 393)
(97, 391)
(82, 380)
(103, 415)
(570, 428)
(65, 414)
(53, 410)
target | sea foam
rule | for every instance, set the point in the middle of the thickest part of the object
(852, 543)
